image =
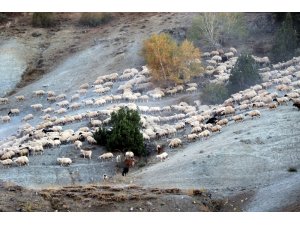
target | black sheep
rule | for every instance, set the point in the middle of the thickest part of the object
(212, 120)
(9, 112)
(125, 171)
(297, 104)
(224, 58)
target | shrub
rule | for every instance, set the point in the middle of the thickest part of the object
(125, 133)
(217, 28)
(169, 61)
(94, 19)
(101, 136)
(243, 74)
(285, 41)
(43, 19)
(214, 94)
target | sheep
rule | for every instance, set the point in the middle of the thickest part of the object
(64, 103)
(22, 160)
(107, 155)
(20, 98)
(191, 137)
(272, 105)
(75, 106)
(96, 123)
(254, 113)
(228, 110)
(86, 153)
(7, 162)
(175, 143)
(281, 100)
(162, 156)
(216, 128)
(204, 134)
(77, 144)
(191, 89)
(222, 122)
(5, 119)
(297, 104)
(84, 86)
(238, 118)
(3, 101)
(38, 93)
(64, 161)
(37, 107)
(129, 155)
(75, 97)
(91, 140)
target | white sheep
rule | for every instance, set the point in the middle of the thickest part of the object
(7, 162)
(107, 155)
(222, 122)
(22, 160)
(162, 156)
(20, 98)
(254, 113)
(3, 101)
(91, 140)
(238, 118)
(86, 153)
(37, 107)
(64, 161)
(5, 119)
(175, 143)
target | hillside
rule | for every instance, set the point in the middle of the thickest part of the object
(240, 168)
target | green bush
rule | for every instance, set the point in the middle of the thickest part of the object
(243, 74)
(101, 136)
(94, 19)
(43, 19)
(285, 41)
(214, 94)
(125, 133)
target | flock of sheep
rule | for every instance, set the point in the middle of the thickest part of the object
(176, 124)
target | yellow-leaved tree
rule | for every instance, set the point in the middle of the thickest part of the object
(168, 61)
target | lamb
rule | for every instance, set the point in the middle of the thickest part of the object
(86, 153)
(175, 143)
(64, 161)
(254, 113)
(162, 156)
(7, 162)
(107, 155)
(5, 119)
(238, 118)
(22, 160)
(20, 98)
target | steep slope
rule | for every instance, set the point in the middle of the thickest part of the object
(251, 155)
